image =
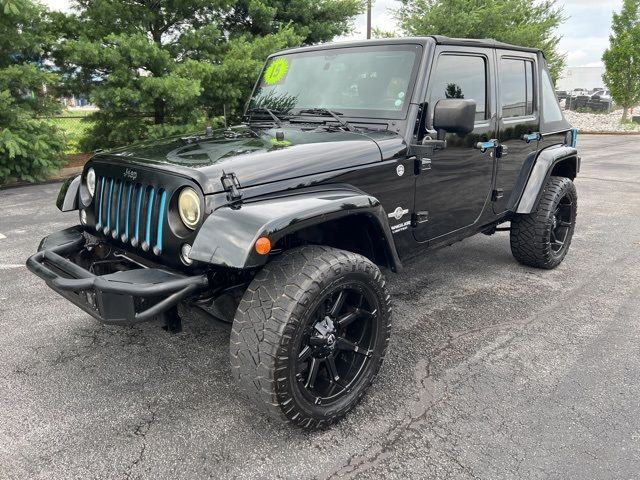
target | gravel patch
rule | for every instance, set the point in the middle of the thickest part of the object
(600, 122)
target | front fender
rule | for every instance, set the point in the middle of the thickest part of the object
(228, 235)
(68, 197)
(540, 173)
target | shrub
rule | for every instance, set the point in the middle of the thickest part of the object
(30, 146)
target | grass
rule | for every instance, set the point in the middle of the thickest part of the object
(630, 126)
(74, 126)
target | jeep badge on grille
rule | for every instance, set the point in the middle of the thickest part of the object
(130, 174)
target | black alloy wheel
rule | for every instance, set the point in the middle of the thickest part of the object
(561, 223)
(338, 344)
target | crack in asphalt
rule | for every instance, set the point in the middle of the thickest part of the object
(140, 431)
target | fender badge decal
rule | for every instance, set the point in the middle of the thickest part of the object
(400, 170)
(401, 227)
(398, 213)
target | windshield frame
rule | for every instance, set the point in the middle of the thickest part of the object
(350, 112)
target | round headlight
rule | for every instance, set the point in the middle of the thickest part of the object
(189, 207)
(91, 181)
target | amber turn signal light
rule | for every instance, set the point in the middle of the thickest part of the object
(263, 245)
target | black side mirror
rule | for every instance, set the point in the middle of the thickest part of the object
(454, 115)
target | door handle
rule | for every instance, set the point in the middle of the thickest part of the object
(531, 137)
(484, 146)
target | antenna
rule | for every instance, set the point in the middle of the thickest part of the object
(369, 19)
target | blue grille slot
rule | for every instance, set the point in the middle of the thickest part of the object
(128, 212)
(110, 200)
(119, 207)
(132, 212)
(152, 196)
(138, 208)
(163, 206)
(100, 202)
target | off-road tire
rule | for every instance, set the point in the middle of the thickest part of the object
(271, 316)
(531, 234)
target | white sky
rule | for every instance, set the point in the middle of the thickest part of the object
(585, 33)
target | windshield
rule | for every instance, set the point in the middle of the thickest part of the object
(372, 82)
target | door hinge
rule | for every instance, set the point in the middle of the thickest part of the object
(501, 151)
(231, 185)
(497, 194)
(419, 217)
(422, 164)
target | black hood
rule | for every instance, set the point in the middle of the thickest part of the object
(255, 155)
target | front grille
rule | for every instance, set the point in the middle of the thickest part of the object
(131, 212)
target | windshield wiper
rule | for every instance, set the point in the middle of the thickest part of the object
(332, 113)
(270, 112)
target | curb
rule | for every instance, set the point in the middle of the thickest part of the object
(581, 132)
(61, 175)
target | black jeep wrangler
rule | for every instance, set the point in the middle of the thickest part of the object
(352, 157)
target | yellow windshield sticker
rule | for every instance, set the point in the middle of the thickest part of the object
(280, 143)
(276, 71)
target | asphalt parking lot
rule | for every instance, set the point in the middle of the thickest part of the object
(494, 370)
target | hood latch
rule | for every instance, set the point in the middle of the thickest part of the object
(231, 185)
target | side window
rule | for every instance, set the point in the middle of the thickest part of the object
(516, 87)
(550, 108)
(461, 76)
(530, 86)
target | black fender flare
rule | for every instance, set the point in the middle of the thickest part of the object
(67, 200)
(227, 237)
(546, 160)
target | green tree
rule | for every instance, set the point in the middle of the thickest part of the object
(181, 62)
(530, 23)
(313, 20)
(29, 145)
(622, 58)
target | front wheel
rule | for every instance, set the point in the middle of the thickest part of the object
(542, 238)
(310, 334)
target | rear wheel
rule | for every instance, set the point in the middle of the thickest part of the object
(542, 238)
(310, 334)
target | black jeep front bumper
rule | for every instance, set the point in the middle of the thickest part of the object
(121, 298)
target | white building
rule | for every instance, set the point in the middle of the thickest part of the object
(580, 77)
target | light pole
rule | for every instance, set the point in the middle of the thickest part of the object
(369, 19)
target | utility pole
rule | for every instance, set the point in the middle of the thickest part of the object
(369, 19)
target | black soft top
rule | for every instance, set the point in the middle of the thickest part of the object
(485, 42)
(437, 39)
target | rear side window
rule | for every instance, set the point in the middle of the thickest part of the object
(550, 108)
(516, 87)
(461, 76)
